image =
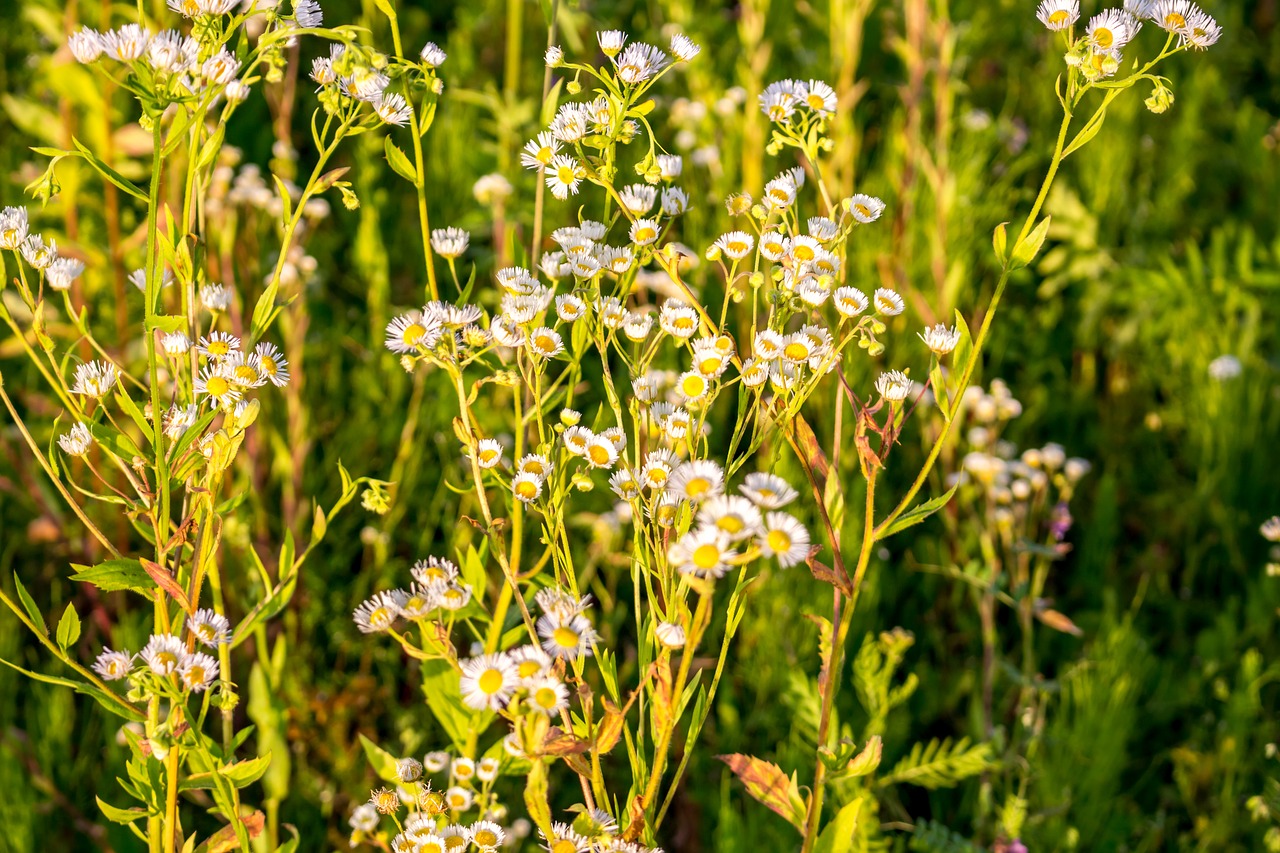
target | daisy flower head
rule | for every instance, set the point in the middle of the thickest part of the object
(126, 43)
(638, 199)
(779, 101)
(849, 301)
(453, 596)
(617, 259)
(37, 253)
(755, 372)
(554, 57)
(1202, 31)
(86, 45)
(450, 242)
(393, 109)
(798, 348)
(888, 302)
(379, 613)
(669, 634)
(639, 62)
(563, 176)
(820, 98)
(214, 297)
(432, 56)
(61, 272)
(546, 342)
(548, 695)
(210, 628)
(670, 166)
(893, 385)
(435, 570)
(1058, 15)
(767, 491)
(308, 13)
(179, 419)
(218, 346)
(675, 201)
(113, 666)
(644, 232)
(94, 379)
(697, 480)
(175, 343)
(488, 453)
(272, 363)
(535, 465)
(784, 538)
(531, 663)
(458, 799)
(611, 41)
(732, 514)
(216, 382)
(1270, 529)
(220, 69)
(822, 228)
(198, 671)
(735, 245)
(600, 452)
(539, 151)
(705, 553)
(413, 332)
(577, 438)
(678, 319)
(692, 386)
(488, 681)
(940, 339)
(865, 209)
(487, 835)
(164, 653)
(76, 442)
(13, 227)
(566, 636)
(623, 484)
(1111, 30)
(684, 48)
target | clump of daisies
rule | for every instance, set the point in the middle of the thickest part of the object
(1096, 51)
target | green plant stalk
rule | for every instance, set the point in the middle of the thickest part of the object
(161, 506)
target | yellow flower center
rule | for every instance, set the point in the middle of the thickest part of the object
(527, 489)
(779, 541)
(862, 209)
(490, 681)
(1058, 18)
(566, 175)
(545, 343)
(815, 101)
(730, 524)
(599, 455)
(486, 838)
(413, 333)
(195, 674)
(488, 455)
(217, 348)
(269, 365)
(528, 668)
(1103, 37)
(697, 487)
(645, 234)
(217, 386)
(456, 842)
(545, 697)
(544, 155)
(246, 374)
(683, 323)
(796, 351)
(565, 637)
(1174, 21)
(563, 845)
(706, 556)
(693, 386)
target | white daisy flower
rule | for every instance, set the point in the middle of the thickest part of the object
(113, 666)
(198, 671)
(576, 438)
(784, 538)
(393, 109)
(566, 637)
(86, 45)
(535, 465)
(436, 761)
(488, 453)
(669, 634)
(893, 385)
(175, 343)
(546, 342)
(76, 442)
(548, 695)
(214, 297)
(767, 491)
(675, 201)
(1202, 31)
(623, 484)
(94, 379)
(272, 363)
(13, 227)
(127, 43)
(432, 56)
(61, 272)
(218, 346)
(678, 319)
(209, 627)
(670, 166)
(638, 199)
(697, 480)
(539, 151)
(888, 302)
(644, 232)
(600, 452)
(864, 208)
(754, 372)
(450, 242)
(164, 653)
(179, 419)
(683, 48)
(657, 468)
(379, 612)
(1110, 30)
(737, 516)
(940, 339)
(411, 332)
(488, 681)
(216, 382)
(554, 57)
(706, 552)
(1058, 15)
(736, 245)
(820, 98)
(849, 301)
(563, 176)
(458, 799)
(611, 41)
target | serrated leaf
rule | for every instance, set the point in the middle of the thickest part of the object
(940, 764)
(917, 514)
(244, 773)
(770, 785)
(68, 628)
(399, 161)
(868, 760)
(29, 604)
(115, 575)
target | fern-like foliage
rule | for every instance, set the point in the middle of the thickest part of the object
(940, 764)
(933, 837)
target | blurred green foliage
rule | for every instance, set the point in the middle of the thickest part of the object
(1164, 254)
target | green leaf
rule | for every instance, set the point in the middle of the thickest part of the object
(115, 575)
(917, 514)
(109, 173)
(940, 764)
(166, 323)
(1088, 132)
(244, 773)
(1026, 250)
(837, 836)
(440, 684)
(29, 603)
(770, 785)
(68, 628)
(1000, 241)
(382, 762)
(119, 815)
(399, 162)
(132, 410)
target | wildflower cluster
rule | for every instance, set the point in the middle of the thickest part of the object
(169, 663)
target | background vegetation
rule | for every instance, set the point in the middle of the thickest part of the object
(1164, 254)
